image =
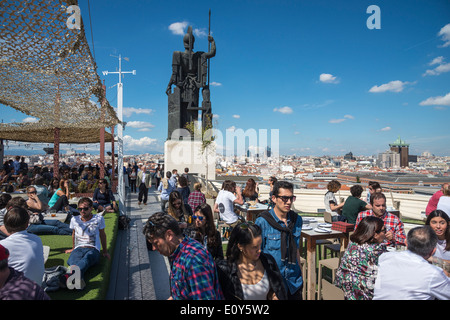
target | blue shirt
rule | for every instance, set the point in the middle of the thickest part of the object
(271, 244)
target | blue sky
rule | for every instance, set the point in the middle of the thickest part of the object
(311, 69)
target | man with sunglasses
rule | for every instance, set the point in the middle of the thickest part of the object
(88, 234)
(281, 230)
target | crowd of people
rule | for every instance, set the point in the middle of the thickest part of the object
(23, 219)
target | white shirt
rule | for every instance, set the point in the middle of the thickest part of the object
(26, 254)
(440, 250)
(407, 276)
(87, 232)
(329, 197)
(224, 201)
(257, 291)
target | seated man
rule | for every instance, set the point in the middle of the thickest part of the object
(227, 197)
(395, 231)
(407, 275)
(354, 205)
(88, 235)
(27, 251)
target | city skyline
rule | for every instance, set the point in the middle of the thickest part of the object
(315, 71)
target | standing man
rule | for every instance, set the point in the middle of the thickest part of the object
(281, 229)
(395, 231)
(143, 182)
(88, 234)
(193, 274)
(407, 275)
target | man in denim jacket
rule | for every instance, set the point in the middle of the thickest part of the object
(283, 245)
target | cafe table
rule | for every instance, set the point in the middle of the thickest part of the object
(251, 212)
(312, 231)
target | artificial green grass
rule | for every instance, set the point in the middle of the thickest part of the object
(97, 277)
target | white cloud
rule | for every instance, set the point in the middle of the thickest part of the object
(30, 120)
(139, 125)
(215, 116)
(441, 68)
(215, 84)
(128, 112)
(444, 33)
(386, 129)
(284, 110)
(177, 28)
(200, 32)
(138, 144)
(328, 78)
(296, 132)
(394, 86)
(236, 116)
(437, 101)
(347, 116)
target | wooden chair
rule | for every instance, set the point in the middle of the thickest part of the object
(331, 292)
(333, 265)
(303, 267)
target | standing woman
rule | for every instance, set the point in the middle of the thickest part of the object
(133, 177)
(248, 273)
(206, 232)
(439, 221)
(179, 211)
(357, 272)
(103, 198)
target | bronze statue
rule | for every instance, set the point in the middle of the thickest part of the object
(189, 74)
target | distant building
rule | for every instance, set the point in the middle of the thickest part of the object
(349, 156)
(401, 148)
(389, 159)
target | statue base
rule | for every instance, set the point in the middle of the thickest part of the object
(180, 154)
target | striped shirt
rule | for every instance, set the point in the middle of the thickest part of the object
(391, 222)
(193, 273)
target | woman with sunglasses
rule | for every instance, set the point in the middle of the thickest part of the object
(248, 273)
(357, 272)
(205, 231)
(179, 211)
(103, 198)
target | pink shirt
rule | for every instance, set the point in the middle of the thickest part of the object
(432, 203)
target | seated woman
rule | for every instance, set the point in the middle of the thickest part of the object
(206, 232)
(60, 199)
(439, 221)
(250, 192)
(357, 272)
(248, 273)
(103, 198)
(179, 211)
(43, 226)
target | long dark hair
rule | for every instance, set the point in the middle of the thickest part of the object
(366, 230)
(209, 229)
(443, 215)
(242, 234)
(250, 188)
(175, 195)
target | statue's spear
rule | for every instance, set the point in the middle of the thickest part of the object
(209, 43)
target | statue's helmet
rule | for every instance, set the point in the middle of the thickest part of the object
(189, 39)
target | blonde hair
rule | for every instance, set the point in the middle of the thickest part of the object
(197, 186)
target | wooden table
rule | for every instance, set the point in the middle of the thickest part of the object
(312, 236)
(252, 212)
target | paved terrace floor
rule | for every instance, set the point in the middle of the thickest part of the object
(136, 273)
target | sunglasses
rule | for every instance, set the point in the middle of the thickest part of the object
(84, 208)
(32, 192)
(198, 217)
(286, 198)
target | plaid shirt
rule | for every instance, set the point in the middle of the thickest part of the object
(193, 273)
(391, 222)
(195, 199)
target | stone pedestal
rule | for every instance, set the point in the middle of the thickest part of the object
(180, 154)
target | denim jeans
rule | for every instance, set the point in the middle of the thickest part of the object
(84, 258)
(50, 227)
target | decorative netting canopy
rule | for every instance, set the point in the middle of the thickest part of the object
(47, 72)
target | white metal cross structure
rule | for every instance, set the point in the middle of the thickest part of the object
(121, 186)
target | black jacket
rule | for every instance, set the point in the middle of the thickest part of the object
(231, 285)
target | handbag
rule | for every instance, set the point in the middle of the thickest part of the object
(35, 218)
